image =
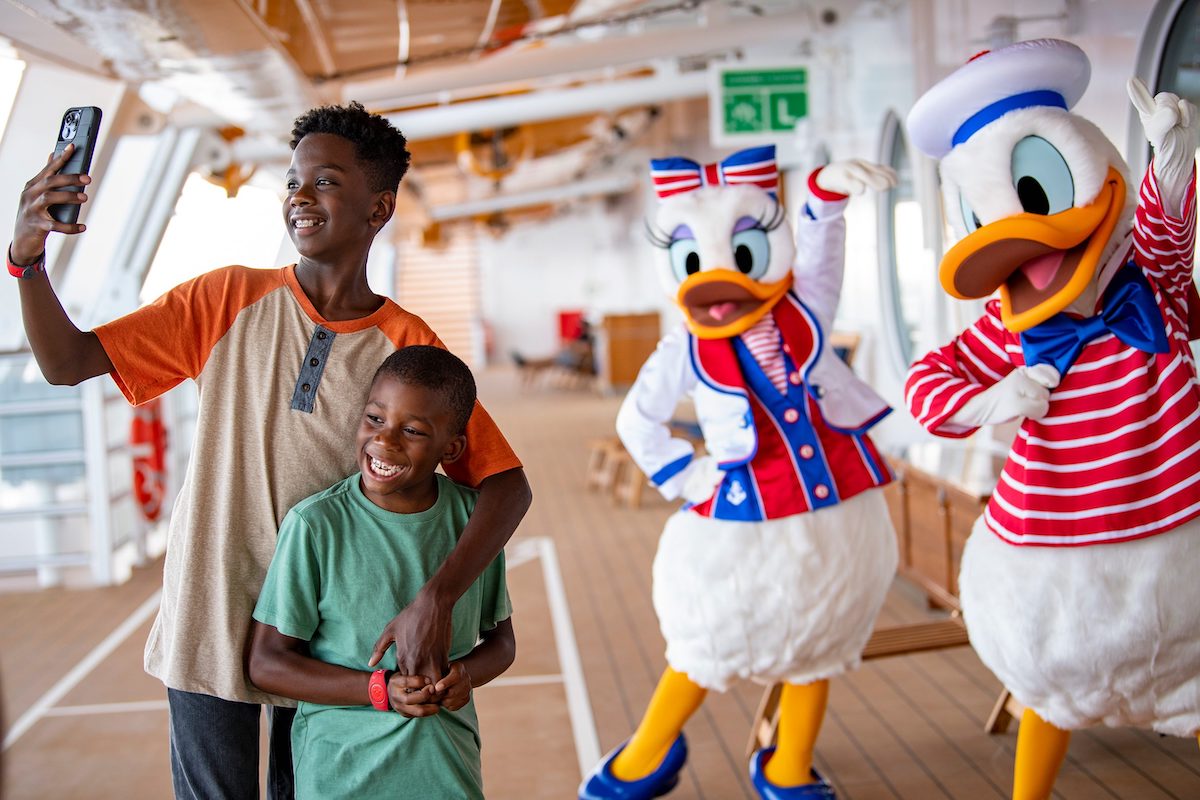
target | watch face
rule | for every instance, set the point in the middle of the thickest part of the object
(378, 691)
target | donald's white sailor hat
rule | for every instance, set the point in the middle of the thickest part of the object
(1039, 72)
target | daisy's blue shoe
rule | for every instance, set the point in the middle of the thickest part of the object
(603, 785)
(819, 789)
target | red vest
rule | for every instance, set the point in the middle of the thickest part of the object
(801, 463)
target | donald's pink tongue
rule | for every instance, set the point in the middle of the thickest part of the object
(719, 311)
(1041, 270)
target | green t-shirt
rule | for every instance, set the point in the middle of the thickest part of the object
(343, 568)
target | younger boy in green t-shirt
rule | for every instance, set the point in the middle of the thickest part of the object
(347, 560)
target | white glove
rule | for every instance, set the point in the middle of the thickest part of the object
(1024, 392)
(701, 478)
(1172, 127)
(855, 176)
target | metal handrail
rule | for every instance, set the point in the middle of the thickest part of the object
(44, 510)
(25, 407)
(27, 563)
(44, 459)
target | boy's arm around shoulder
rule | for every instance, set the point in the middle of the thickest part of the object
(421, 631)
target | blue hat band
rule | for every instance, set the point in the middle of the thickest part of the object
(988, 114)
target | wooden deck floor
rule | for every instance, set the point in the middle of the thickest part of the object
(589, 654)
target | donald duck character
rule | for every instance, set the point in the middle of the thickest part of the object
(778, 563)
(1078, 583)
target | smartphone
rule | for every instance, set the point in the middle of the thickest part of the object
(79, 126)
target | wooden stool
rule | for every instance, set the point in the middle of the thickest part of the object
(611, 468)
(1007, 709)
(604, 462)
(629, 481)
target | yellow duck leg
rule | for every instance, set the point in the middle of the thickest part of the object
(675, 699)
(801, 711)
(1041, 748)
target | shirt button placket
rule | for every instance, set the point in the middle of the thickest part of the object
(311, 369)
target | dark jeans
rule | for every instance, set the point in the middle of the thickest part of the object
(214, 748)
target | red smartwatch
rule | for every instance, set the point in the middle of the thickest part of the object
(378, 689)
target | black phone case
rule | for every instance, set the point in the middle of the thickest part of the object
(79, 126)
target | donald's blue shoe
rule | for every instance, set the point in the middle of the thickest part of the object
(819, 789)
(603, 785)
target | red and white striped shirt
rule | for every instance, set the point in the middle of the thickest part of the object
(1117, 456)
(762, 340)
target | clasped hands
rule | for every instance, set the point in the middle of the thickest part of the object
(423, 683)
(418, 696)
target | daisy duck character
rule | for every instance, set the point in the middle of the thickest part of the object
(778, 563)
(1078, 583)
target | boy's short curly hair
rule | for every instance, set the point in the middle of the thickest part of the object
(438, 370)
(382, 150)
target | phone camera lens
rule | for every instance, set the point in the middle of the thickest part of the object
(70, 125)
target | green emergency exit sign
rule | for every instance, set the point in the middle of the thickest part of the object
(758, 103)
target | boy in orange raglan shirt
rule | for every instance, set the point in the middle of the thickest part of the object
(282, 359)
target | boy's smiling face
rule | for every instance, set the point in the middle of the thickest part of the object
(330, 209)
(406, 431)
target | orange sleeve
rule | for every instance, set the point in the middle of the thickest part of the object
(488, 452)
(160, 345)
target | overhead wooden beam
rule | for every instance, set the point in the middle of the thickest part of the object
(316, 32)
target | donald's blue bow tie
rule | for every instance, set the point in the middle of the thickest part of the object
(1130, 313)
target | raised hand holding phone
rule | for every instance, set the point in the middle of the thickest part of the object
(50, 201)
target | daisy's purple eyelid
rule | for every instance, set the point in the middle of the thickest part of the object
(682, 232)
(745, 224)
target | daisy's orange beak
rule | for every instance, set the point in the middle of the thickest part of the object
(721, 303)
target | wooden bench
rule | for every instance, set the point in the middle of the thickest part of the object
(899, 640)
(894, 640)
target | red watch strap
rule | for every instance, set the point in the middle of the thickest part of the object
(378, 691)
(25, 270)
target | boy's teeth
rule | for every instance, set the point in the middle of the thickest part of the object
(307, 223)
(383, 468)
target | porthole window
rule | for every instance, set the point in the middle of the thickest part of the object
(911, 297)
(1168, 61)
(1179, 69)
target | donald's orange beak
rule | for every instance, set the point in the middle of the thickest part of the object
(1040, 263)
